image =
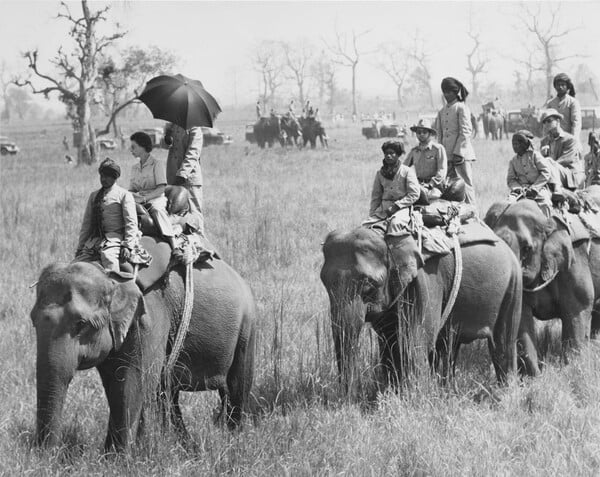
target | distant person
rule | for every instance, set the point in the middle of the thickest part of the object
(592, 161)
(561, 147)
(183, 166)
(109, 228)
(453, 125)
(65, 142)
(258, 110)
(394, 190)
(429, 160)
(565, 103)
(148, 182)
(291, 109)
(529, 173)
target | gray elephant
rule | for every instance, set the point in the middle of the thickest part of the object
(356, 273)
(561, 277)
(293, 133)
(493, 124)
(267, 131)
(84, 319)
(311, 130)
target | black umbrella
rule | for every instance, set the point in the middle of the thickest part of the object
(180, 100)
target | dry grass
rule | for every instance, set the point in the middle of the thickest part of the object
(268, 211)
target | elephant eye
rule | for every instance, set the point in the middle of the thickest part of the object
(79, 326)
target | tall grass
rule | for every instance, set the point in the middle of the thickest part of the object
(268, 212)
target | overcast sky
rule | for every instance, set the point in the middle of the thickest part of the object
(215, 39)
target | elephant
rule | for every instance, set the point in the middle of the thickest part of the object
(493, 124)
(83, 318)
(267, 130)
(561, 278)
(291, 127)
(311, 130)
(363, 287)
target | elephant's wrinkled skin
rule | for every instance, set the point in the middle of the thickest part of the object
(488, 304)
(83, 320)
(267, 131)
(547, 254)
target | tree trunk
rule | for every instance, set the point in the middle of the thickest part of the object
(399, 95)
(354, 88)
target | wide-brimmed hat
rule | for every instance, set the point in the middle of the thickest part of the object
(423, 123)
(550, 113)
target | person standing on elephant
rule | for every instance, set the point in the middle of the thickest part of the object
(592, 161)
(148, 181)
(395, 189)
(453, 125)
(565, 103)
(561, 147)
(529, 173)
(109, 228)
(258, 110)
(183, 166)
(429, 161)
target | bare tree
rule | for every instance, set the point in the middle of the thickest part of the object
(476, 59)
(122, 78)
(5, 83)
(324, 74)
(421, 73)
(531, 68)
(77, 74)
(395, 61)
(544, 24)
(347, 53)
(267, 61)
(298, 57)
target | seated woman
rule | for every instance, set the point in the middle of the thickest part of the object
(529, 173)
(395, 189)
(148, 182)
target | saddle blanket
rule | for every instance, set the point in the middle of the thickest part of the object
(435, 240)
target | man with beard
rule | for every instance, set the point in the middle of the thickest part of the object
(395, 189)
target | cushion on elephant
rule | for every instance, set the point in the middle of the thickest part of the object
(475, 231)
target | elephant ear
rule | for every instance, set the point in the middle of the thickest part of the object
(127, 302)
(557, 254)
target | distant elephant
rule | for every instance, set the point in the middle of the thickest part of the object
(83, 319)
(293, 132)
(311, 130)
(267, 131)
(560, 278)
(493, 124)
(356, 274)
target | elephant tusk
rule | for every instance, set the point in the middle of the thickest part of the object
(543, 285)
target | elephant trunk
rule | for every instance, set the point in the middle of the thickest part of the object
(347, 318)
(53, 375)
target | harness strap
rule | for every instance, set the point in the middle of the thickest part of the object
(185, 318)
(458, 269)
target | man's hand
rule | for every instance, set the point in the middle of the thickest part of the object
(179, 181)
(391, 210)
(125, 254)
(545, 151)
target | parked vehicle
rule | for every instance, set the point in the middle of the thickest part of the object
(106, 143)
(249, 136)
(371, 128)
(212, 136)
(590, 117)
(514, 121)
(8, 147)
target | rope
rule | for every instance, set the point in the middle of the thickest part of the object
(458, 268)
(185, 317)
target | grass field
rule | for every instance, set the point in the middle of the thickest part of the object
(268, 212)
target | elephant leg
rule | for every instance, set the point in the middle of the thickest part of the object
(446, 353)
(528, 362)
(595, 328)
(240, 377)
(389, 358)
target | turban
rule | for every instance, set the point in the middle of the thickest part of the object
(564, 78)
(525, 135)
(452, 84)
(110, 168)
(395, 146)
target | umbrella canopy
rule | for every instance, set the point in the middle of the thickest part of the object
(180, 100)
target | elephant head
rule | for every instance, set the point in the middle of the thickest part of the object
(542, 244)
(80, 316)
(356, 275)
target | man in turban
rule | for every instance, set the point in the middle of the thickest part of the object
(565, 103)
(454, 129)
(395, 189)
(109, 229)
